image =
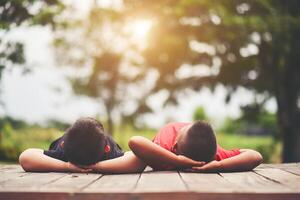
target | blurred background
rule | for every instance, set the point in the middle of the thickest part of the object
(137, 65)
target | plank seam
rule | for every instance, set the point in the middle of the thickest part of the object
(25, 174)
(225, 179)
(136, 184)
(90, 183)
(270, 179)
(184, 183)
(52, 181)
(287, 170)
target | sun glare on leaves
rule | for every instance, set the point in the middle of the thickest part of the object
(138, 31)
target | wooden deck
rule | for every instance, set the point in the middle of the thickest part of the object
(281, 181)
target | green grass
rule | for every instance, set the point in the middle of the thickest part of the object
(269, 149)
(124, 133)
(13, 142)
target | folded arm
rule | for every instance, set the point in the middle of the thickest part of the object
(128, 163)
(247, 160)
(156, 156)
(34, 160)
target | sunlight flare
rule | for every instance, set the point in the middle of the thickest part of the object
(138, 30)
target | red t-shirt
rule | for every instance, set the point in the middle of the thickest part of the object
(166, 138)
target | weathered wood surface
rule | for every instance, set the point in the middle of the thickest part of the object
(268, 181)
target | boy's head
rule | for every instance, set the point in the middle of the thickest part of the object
(84, 142)
(197, 141)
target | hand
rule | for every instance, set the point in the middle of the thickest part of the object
(187, 162)
(213, 166)
(76, 169)
(93, 167)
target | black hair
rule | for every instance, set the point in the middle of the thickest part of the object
(84, 142)
(199, 142)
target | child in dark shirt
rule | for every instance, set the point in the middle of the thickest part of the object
(83, 144)
(176, 143)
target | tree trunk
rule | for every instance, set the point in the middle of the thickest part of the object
(110, 124)
(289, 118)
(290, 131)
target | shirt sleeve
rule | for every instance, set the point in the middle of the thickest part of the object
(115, 150)
(57, 154)
(56, 151)
(223, 153)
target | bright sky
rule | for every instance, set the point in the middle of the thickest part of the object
(45, 93)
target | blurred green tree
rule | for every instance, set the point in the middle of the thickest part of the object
(251, 43)
(200, 114)
(104, 62)
(26, 13)
(21, 13)
(252, 122)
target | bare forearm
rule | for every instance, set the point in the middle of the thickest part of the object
(247, 160)
(156, 156)
(128, 163)
(152, 154)
(34, 160)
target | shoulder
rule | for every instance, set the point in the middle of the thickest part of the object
(174, 125)
(115, 149)
(110, 140)
(170, 129)
(57, 143)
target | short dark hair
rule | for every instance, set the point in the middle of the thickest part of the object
(84, 141)
(199, 142)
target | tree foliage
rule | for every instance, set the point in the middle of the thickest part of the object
(200, 114)
(249, 43)
(16, 13)
(104, 61)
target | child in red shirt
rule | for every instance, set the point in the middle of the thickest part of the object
(191, 146)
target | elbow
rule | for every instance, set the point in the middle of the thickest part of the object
(25, 161)
(135, 143)
(257, 159)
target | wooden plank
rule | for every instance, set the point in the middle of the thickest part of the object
(26, 195)
(4, 176)
(250, 182)
(282, 165)
(163, 181)
(70, 183)
(114, 183)
(146, 196)
(11, 168)
(213, 182)
(288, 179)
(262, 166)
(30, 182)
(293, 168)
(185, 196)
(266, 182)
(279, 165)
